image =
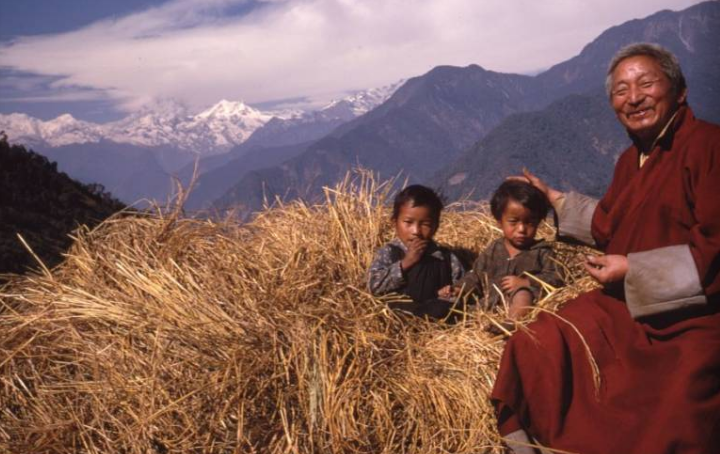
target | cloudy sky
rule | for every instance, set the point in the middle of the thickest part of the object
(100, 59)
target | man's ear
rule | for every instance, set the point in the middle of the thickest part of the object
(682, 96)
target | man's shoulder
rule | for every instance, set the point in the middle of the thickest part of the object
(707, 131)
(629, 153)
(701, 143)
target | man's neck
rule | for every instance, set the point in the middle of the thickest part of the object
(646, 146)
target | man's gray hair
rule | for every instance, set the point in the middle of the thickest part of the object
(666, 59)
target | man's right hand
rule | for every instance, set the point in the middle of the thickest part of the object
(552, 194)
(416, 249)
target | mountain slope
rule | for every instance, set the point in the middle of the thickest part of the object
(572, 145)
(693, 35)
(425, 124)
(44, 206)
(214, 183)
(130, 173)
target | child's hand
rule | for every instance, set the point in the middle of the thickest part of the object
(447, 292)
(416, 249)
(510, 284)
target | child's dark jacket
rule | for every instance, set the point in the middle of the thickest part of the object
(494, 263)
(385, 274)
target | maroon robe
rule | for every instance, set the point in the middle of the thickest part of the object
(659, 376)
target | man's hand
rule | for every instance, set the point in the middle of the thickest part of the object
(416, 249)
(509, 284)
(552, 194)
(607, 268)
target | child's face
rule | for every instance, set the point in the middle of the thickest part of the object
(518, 225)
(414, 222)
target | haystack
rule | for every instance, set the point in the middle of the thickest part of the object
(159, 334)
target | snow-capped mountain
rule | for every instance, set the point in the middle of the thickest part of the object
(211, 131)
(361, 102)
(230, 123)
(214, 130)
(169, 124)
(308, 126)
(60, 131)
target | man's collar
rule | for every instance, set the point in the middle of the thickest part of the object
(666, 133)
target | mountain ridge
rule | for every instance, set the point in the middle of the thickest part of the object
(166, 123)
(408, 140)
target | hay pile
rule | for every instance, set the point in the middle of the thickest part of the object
(166, 335)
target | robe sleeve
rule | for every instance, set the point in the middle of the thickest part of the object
(574, 217)
(675, 277)
(662, 280)
(582, 218)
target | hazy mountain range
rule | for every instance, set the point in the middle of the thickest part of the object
(136, 157)
(460, 129)
(167, 123)
(465, 129)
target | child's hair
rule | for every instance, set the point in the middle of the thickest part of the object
(525, 194)
(420, 196)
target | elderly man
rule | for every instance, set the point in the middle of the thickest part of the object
(633, 368)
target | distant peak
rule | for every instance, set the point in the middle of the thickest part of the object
(65, 117)
(225, 108)
(225, 102)
(361, 102)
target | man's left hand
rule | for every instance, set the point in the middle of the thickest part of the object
(607, 268)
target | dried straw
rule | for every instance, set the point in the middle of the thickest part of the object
(159, 334)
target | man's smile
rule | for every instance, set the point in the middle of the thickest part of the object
(639, 114)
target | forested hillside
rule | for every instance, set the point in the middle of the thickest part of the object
(44, 206)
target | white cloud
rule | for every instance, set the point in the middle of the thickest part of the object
(186, 49)
(69, 95)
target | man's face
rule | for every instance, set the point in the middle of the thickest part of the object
(643, 97)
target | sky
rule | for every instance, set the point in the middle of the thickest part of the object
(103, 59)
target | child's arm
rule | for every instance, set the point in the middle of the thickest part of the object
(457, 269)
(472, 281)
(548, 273)
(384, 275)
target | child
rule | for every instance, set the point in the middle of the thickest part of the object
(412, 263)
(518, 208)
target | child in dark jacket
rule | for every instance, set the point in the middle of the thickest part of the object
(413, 264)
(514, 263)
